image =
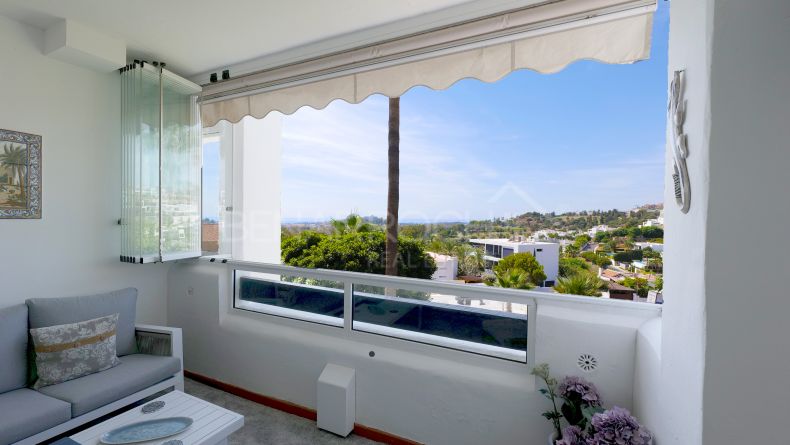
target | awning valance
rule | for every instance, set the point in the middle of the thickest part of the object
(543, 38)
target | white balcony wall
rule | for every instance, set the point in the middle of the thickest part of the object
(647, 374)
(74, 248)
(679, 421)
(424, 393)
(725, 354)
(747, 355)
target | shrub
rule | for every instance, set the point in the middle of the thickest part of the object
(582, 283)
(581, 240)
(572, 266)
(597, 259)
(628, 256)
(356, 252)
(640, 285)
(652, 232)
(295, 248)
(513, 278)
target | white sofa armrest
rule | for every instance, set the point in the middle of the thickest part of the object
(175, 342)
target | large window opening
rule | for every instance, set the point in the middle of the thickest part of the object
(544, 183)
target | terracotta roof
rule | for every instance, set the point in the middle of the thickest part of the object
(210, 237)
(620, 287)
(609, 273)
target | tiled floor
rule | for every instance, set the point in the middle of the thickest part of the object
(264, 425)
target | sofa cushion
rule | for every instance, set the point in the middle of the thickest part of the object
(27, 412)
(69, 351)
(135, 373)
(13, 347)
(44, 312)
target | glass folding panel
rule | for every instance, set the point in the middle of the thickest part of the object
(160, 146)
(181, 163)
(140, 159)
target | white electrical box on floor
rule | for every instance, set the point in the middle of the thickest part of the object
(336, 399)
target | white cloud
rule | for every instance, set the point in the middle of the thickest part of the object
(335, 161)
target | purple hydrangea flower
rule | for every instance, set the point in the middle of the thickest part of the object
(573, 387)
(618, 427)
(572, 435)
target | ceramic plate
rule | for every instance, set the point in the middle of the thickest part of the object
(146, 430)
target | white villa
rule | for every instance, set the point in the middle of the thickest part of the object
(116, 99)
(599, 228)
(656, 222)
(547, 253)
(658, 247)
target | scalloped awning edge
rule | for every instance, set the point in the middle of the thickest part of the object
(621, 41)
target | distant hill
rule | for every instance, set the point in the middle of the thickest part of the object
(523, 224)
(583, 220)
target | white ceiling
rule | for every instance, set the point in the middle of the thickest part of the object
(196, 36)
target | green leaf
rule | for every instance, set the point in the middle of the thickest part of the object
(589, 411)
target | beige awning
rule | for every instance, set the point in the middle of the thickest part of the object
(544, 38)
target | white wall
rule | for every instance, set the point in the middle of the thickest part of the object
(257, 157)
(74, 248)
(446, 267)
(565, 331)
(725, 354)
(428, 394)
(747, 356)
(549, 257)
(647, 374)
(683, 331)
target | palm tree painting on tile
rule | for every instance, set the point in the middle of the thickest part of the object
(13, 160)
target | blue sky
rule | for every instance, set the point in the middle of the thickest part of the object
(589, 137)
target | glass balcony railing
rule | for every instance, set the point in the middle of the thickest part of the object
(441, 315)
(476, 319)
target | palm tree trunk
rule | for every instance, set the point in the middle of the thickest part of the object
(393, 193)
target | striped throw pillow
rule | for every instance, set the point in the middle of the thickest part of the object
(68, 351)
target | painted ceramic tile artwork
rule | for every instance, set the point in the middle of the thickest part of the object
(20, 175)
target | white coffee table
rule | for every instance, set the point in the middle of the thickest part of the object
(212, 424)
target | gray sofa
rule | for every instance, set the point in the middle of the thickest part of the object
(151, 361)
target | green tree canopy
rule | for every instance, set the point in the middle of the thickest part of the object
(659, 283)
(527, 263)
(580, 241)
(471, 261)
(353, 223)
(652, 232)
(572, 266)
(570, 251)
(628, 256)
(418, 231)
(356, 252)
(596, 258)
(442, 245)
(602, 237)
(620, 231)
(648, 252)
(638, 284)
(296, 248)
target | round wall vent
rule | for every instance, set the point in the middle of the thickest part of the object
(587, 362)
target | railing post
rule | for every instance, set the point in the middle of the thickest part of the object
(532, 318)
(348, 305)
